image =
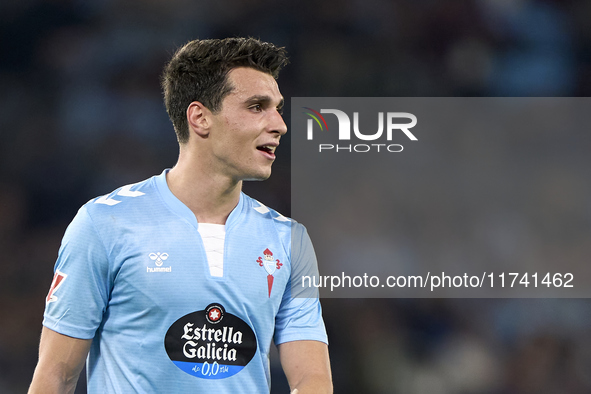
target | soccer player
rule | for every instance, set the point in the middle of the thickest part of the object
(179, 283)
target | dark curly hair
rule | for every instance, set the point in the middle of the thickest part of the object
(198, 71)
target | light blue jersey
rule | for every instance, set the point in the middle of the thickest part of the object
(133, 275)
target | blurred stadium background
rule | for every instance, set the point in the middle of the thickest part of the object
(81, 114)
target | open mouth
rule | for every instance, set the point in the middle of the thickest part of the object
(269, 150)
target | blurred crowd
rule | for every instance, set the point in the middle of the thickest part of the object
(81, 114)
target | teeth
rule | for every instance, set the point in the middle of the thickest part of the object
(269, 147)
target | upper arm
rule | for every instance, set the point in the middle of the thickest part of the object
(307, 366)
(299, 316)
(61, 358)
(76, 303)
(299, 328)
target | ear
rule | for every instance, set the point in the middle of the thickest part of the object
(198, 119)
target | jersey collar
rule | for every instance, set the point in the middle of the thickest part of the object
(184, 212)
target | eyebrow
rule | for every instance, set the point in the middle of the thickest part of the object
(263, 100)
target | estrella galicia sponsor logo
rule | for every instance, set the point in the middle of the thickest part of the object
(394, 122)
(214, 313)
(211, 343)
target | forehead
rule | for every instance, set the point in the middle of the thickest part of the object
(248, 82)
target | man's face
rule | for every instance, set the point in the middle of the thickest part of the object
(247, 129)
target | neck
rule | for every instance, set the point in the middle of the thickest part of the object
(211, 197)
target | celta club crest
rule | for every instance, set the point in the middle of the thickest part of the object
(270, 265)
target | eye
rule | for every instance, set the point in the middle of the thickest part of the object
(280, 110)
(256, 107)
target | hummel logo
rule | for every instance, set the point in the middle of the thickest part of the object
(125, 192)
(158, 259)
(263, 210)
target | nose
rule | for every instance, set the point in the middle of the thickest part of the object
(277, 124)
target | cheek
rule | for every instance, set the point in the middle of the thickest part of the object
(238, 148)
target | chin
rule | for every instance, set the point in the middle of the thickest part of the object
(256, 173)
(261, 176)
(257, 177)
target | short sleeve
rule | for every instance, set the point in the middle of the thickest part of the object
(80, 289)
(300, 314)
